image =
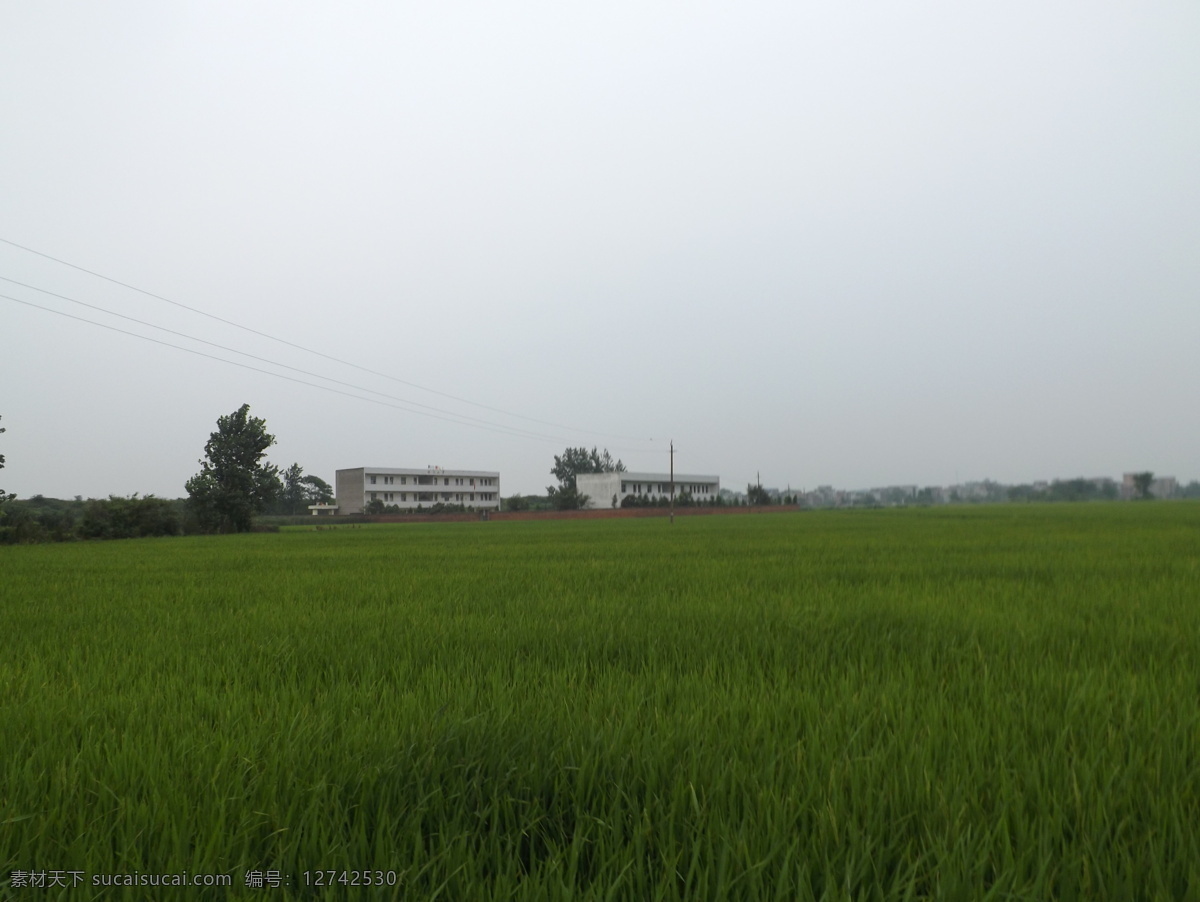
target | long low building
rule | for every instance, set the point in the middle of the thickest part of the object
(611, 489)
(409, 489)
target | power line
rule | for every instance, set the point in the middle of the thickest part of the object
(213, 344)
(457, 419)
(307, 350)
(490, 428)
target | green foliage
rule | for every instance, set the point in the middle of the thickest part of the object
(3, 495)
(297, 491)
(290, 498)
(1141, 485)
(528, 503)
(757, 496)
(515, 503)
(234, 483)
(645, 501)
(316, 491)
(40, 519)
(129, 518)
(956, 703)
(568, 465)
(567, 498)
(1064, 490)
(378, 507)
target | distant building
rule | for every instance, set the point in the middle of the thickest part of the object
(1160, 487)
(1164, 487)
(1128, 490)
(409, 489)
(601, 488)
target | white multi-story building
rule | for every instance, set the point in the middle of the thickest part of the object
(1160, 487)
(602, 488)
(409, 489)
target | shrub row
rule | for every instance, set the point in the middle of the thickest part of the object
(51, 520)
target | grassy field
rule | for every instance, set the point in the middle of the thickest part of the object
(956, 703)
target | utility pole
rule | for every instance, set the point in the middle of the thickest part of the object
(672, 482)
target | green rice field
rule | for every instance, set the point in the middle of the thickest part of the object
(950, 703)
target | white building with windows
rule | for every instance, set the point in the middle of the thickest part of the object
(602, 488)
(409, 489)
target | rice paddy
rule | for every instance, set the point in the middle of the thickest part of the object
(954, 703)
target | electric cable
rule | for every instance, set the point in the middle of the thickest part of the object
(449, 419)
(285, 366)
(307, 350)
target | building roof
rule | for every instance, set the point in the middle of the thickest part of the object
(424, 471)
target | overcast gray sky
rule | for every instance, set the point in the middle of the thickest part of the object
(858, 243)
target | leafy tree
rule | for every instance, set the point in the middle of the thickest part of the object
(756, 495)
(374, 507)
(291, 493)
(316, 491)
(568, 465)
(298, 491)
(516, 503)
(234, 483)
(566, 498)
(1141, 485)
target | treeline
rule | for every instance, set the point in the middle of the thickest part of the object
(682, 499)
(528, 503)
(234, 486)
(40, 519)
(1065, 490)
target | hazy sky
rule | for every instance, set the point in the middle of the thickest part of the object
(858, 243)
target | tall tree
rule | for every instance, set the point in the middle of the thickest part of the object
(568, 465)
(298, 491)
(234, 483)
(291, 493)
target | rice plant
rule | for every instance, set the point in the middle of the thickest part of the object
(995, 702)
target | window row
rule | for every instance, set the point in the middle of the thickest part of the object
(664, 488)
(433, 480)
(431, 496)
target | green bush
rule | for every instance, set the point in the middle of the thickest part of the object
(129, 518)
